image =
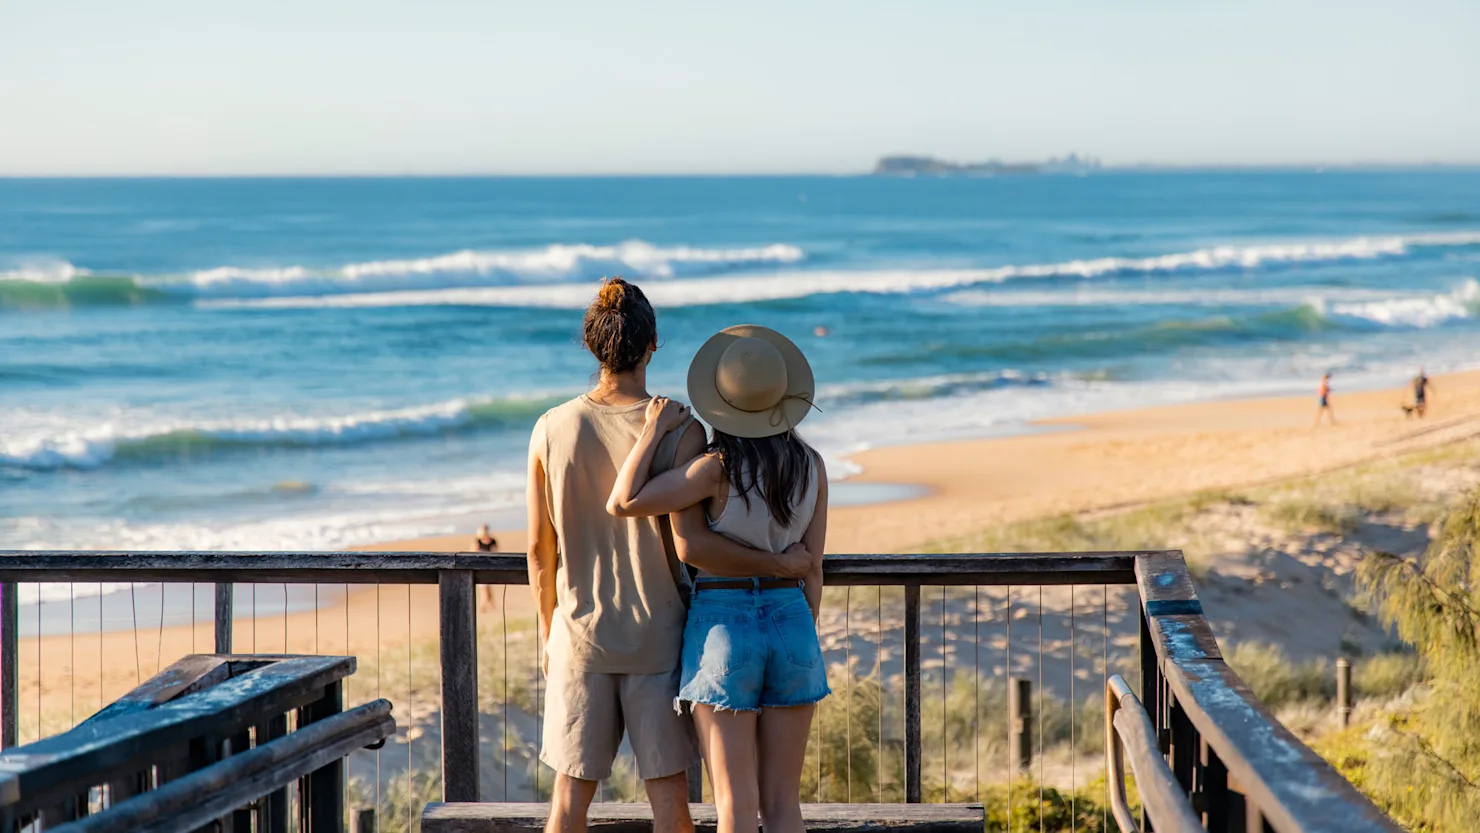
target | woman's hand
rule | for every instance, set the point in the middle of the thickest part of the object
(665, 415)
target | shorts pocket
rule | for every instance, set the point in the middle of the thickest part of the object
(716, 644)
(798, 635)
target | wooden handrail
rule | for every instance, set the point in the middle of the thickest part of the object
(1214, 725)
(1129, 729)
(1223, 746)
(501, 568)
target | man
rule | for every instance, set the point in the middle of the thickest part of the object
(1421, 385)
(610, 594)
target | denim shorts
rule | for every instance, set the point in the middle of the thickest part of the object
(745, 650)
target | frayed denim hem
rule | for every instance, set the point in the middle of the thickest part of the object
(719, 707)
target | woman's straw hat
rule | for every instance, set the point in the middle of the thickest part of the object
(751, 381)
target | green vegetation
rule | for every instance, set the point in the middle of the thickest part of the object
(1420, 761)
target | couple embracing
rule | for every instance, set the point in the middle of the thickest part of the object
(678, 577)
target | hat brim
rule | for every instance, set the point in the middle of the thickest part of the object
(705, 398)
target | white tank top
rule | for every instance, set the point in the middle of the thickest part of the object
(755, 526)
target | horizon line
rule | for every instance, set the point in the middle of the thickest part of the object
(1141, 167)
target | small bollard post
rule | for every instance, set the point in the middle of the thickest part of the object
(1344, 690)
(363, 821)
(1020, 712)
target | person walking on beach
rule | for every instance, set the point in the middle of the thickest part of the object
(1421, 385)
(484, 540)
(753, 670)
(1324, 394)
(610, 595)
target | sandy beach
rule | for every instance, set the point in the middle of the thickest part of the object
(1099, 462)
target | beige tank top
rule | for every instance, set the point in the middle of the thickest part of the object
(621, 600)
(756, 527)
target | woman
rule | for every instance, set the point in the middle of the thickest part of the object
(752, 669)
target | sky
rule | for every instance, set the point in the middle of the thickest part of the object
(101, 87)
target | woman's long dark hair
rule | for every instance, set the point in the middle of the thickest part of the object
(777, 468)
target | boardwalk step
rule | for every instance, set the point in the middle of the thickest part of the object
(504, 817)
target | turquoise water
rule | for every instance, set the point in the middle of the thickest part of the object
(310, 364)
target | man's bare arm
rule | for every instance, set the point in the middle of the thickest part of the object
(702, 547)
(543, 543)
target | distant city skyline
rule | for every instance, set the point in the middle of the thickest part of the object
(314, 87)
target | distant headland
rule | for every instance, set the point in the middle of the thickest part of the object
(930, 166)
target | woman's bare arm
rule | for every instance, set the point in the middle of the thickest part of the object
(816, 540)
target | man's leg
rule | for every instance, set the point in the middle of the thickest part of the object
(569, 802)
(663, 744)
(670, 799)
(583, 726)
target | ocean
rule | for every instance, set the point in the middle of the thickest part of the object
(304, 364)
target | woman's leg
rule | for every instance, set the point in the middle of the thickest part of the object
(783, 748)
(727, 739)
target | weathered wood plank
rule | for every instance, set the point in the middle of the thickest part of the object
(187, 674)
(196, 799)
(912, 737)
(459, 647)
(423, 568)
(1291, 785)
(323, 790)
(100, 750)
(1287, 787)
(225, 616)
(9, 661)
(638, 818)
(1163, 576)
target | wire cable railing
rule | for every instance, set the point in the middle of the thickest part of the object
(955, 677)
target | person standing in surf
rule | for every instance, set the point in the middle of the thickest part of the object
(753, 670)
(611, 596)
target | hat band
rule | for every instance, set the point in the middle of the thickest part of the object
(778, 412)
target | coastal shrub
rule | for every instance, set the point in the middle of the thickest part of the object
(1386, 675)
(1277, 680)
(1309, 515)
(1421, 762)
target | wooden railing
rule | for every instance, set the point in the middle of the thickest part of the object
(1240, 768)
(211, 741)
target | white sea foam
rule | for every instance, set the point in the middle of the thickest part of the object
(1414, 312)
(785, 285)
(478, 268)
(44, 271)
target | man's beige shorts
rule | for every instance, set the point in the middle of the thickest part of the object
(586, 712)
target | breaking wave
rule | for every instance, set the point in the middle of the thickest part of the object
(790, 285)
(95, 446)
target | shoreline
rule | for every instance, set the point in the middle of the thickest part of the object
(1094, 463)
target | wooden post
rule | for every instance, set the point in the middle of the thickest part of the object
(459, 685)
(10, 620)
(696, 783)
(224, 617)
(322, 807)
(363, 821)
(1020, 713)
(1344, 690)
(912, 693)
(274, 807)
(1151, 695)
